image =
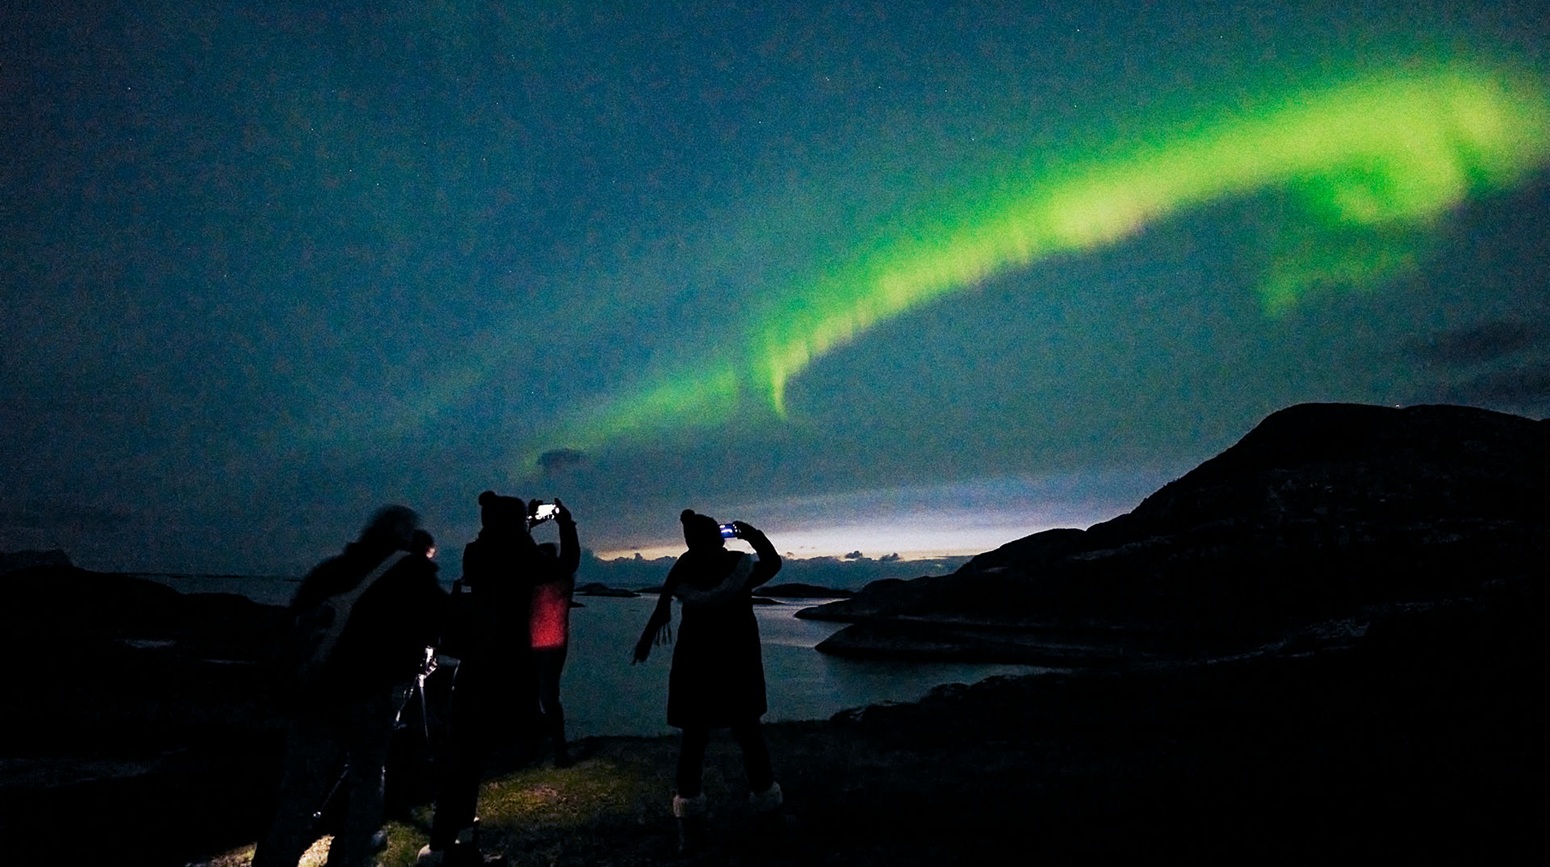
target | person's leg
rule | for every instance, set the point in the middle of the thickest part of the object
(764, 792)
(691, 760)
(756, 755)
(551, 663)
(310, 765)
(368, 733)
(689, 807)
(510, 703)
(467, 742)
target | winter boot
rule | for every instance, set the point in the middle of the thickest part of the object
(767, 801)
(693, 821)
(562, 754)
(770, 821)
(467, 839)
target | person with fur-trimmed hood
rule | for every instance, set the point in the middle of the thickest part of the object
(361, 622)
(717, 678)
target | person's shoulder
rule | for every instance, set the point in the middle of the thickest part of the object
(473, 552)
(421, 573)
(328, 564)
(333, 570)
(408, 561)
(319, 581)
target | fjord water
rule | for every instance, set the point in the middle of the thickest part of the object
(604, 694)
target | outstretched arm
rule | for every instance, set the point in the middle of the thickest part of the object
(769, 559)
(658, 630)
(570, 545)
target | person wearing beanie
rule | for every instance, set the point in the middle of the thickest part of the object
(717, 675)
(361, 622)
(494, 688)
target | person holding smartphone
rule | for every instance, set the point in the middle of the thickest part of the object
(494, 684)
(717, 676)
(554, 581)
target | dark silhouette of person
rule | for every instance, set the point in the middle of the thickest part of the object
(361, 621)
(494, 685)
(421, 542)
(554, 582)
(717, 678)
(410, 759)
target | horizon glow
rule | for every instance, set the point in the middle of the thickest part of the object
(922, 522)
(1375, 161)
(912, 540)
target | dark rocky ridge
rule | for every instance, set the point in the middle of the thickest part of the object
(1322, 518)
(124, 693)
(12, 561)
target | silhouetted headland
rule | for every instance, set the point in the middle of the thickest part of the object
(1323, 520)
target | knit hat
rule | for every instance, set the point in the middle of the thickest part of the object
(701, 531)
(498, 511)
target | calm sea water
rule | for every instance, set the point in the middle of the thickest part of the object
(605, 695)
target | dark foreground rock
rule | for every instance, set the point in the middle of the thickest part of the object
(128, 705)
(1418, 743)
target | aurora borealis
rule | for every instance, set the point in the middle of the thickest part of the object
(890, 277)
(1398, 150)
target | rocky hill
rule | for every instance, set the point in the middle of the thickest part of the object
(17, 560)
(124, 692)
(1322, 518)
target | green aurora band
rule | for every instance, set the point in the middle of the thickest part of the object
(1383, 154)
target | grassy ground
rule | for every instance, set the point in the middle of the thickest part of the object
(544, 815)
(612, 806)
(1288, 761)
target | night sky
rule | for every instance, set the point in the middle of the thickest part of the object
(881, 276)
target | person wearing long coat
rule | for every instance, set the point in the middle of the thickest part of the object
(717, 677)
(494, 687)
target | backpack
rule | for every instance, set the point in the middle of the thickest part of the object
(316, 631)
